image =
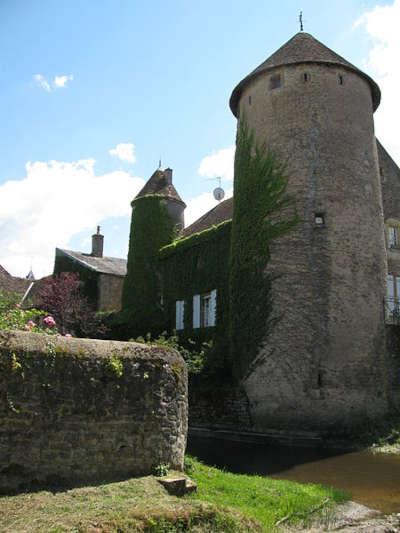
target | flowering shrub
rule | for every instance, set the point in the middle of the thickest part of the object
(49, 321)
(61, 297)
(12, 317)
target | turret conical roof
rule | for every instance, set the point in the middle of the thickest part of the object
(160, 184)
(302, 48)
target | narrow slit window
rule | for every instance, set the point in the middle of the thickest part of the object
(306, 77)
(341, 79)
(275, 81)
(250, 100)
(319, 219)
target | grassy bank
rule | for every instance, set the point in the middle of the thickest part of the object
(224, 502)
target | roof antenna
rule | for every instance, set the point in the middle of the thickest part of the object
(301, 21)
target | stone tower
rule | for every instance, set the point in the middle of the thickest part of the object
(157, 217)
(322, 364)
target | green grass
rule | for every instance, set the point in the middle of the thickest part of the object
(224, 502)
(266, 500)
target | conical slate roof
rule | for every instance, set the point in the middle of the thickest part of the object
(160, 183)
(302, 48)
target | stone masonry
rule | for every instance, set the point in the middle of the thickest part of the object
(81, 410)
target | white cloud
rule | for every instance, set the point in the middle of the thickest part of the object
(58, 82)
(124, 151)
(41, 82)
(53, 202)
(382, 25)
(199, 205)
(61, 81)
(218, 164)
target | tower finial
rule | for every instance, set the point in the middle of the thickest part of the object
(301, 21)
(159, 163)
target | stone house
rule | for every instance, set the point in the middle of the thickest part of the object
(102, 276)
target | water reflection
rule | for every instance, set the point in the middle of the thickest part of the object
(371, 479)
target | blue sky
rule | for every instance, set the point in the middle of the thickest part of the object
(155, 74)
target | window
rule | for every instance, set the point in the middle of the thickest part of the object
(249, 99)
(306, 77)
(275, 81)
(393, 295)
(392, 237)
(204, 309)
(179, 314)
(340, 79)
(319, 219)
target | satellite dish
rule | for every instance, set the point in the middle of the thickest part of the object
(219, 193)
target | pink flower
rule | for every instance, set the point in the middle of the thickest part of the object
(68, 335)
(49, 321)
(30, 324)
(18, 306)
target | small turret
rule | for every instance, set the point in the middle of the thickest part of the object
(157, 214)
(30, 276)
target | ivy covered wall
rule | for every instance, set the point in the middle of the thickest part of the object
(263, 211)
(151, 229)
(196, 265)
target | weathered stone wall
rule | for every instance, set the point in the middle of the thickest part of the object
(390, 179)
(82, 410)
(110, 292)
(219, 407)
(323, 363)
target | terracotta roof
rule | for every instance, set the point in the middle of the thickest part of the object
(302, 48)
(103, 265)
(160, 184)
(216, 215)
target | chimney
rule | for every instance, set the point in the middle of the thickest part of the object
(97, 244)
(168, 175)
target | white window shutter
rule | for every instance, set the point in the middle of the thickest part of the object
(213, 308)
(392, 236)
(196, 311)
(390, 292)
(179, 314)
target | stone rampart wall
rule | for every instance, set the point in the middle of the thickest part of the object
(82, 410)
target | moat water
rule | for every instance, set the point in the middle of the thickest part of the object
(371, 479)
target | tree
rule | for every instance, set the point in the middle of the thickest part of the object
(62, 297)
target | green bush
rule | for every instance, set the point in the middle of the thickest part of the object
(195, 356)
(13, 317)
